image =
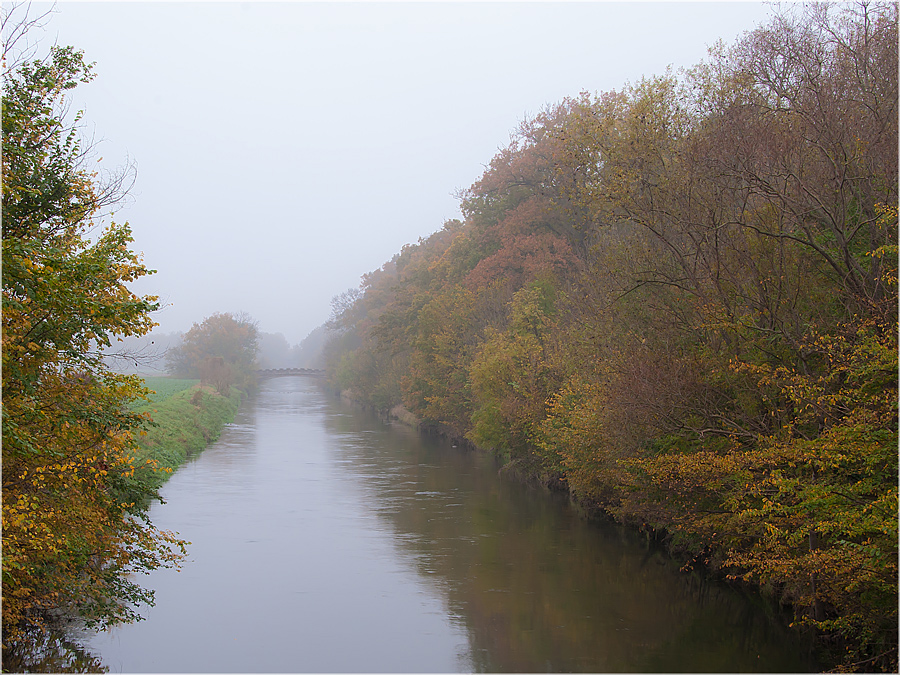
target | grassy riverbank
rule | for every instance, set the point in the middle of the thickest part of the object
(187, 416)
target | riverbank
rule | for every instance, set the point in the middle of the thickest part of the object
(529, 471)
(184, 422)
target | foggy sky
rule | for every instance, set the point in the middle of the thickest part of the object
(285, 149)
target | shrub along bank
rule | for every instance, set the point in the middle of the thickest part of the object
(187, 416)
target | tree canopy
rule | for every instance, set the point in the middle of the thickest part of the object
(74, 526)
(220, 350)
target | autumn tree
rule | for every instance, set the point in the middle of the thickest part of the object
(754, 258)
(220, 351)
(680, 299)
(514, 372)
(74, 527)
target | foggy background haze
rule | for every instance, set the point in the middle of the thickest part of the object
(285, 149)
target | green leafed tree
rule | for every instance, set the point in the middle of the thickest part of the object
(74, 528)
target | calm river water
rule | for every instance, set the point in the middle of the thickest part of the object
(326, 541)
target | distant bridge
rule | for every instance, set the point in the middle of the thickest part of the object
(289, 372)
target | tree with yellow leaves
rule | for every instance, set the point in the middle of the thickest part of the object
(74, 522)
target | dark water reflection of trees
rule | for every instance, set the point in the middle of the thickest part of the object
(52, 652)
(540, 589)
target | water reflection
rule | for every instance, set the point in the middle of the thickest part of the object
(289, 570)
(52, 652)
(326, 541)
(537, 587)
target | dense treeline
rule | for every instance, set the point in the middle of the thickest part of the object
(679, 302)
(75, 530)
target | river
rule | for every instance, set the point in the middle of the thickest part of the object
(324, 540)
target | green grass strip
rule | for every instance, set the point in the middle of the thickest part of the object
(186, 421)
(164, 387)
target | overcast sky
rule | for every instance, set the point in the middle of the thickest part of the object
(285, 149)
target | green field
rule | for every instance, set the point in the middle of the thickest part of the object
(163, 387)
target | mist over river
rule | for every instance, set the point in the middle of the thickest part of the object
(324, 540)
